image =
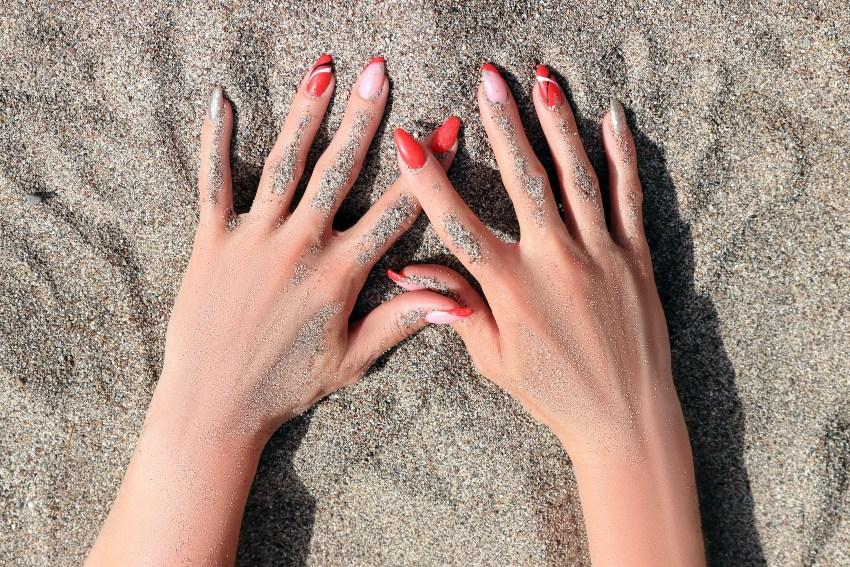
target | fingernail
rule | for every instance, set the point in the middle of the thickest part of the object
(372, 78)
(495, 88)
(403, 282)
(216, 108)
(320, 75)
(445, 136)
(409, 150)
(448, 317)
(619, 124)
(550, 91)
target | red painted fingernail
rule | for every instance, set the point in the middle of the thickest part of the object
(320, 75)
(409, 149)
(403, 282)
(550, 91)
(376, 59)
(445, 136)
(461, 311)
(495, 88)
(449, 316)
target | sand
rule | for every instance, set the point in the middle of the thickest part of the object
(742, 131)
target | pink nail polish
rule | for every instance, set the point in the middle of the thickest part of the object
(495, 88)
(448, 317)
(403, 282)
(372, 78)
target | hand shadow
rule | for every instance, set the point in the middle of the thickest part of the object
(279, 516)
(703, 373)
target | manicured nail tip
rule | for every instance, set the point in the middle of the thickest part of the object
(320, 75)
(395, 276)
(495, 88)
(550, 91)
(372, 78)
(376, 59)
(619, 124)
(448, 317)
(409, 149)
(445, 136)
(216, 107)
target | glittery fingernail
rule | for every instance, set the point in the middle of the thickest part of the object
(216, 108)
(619, 124)
(445, 136)
(495, 88)
(448, 317)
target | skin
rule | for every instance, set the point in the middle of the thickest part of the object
(572, 327)
(244, 352)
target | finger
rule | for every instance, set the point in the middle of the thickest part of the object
(456, 225)
(626, 193)
(521, 171)
(285, 164)
(479, 331)
(340, 164)
(214, 181)
(397, 209)
(395, 320)
(577, 180)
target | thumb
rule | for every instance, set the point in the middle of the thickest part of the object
(395, 320)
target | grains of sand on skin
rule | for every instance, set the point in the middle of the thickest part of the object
(388, 224)
(532, 185)
(462, 238)
(286, 167)
(338, 173)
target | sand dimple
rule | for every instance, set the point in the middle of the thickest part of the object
(462, 238)
(338, 174)
(388, 224)
(286, 167)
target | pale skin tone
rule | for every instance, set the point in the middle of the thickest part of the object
(570, 325)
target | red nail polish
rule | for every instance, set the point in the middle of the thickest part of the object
(376, 59)
(461, 311)
(409, 149)
(445, 136)
(550, 92)
(320, 75)
(395, 276)
(491, 68)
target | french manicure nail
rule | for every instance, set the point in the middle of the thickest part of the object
(216, 108)
(619, 124)
(495, 88)
(448, 317)
(445, 136)
(549, 90)
(320, 75)
(372, 78)
(409, 149)
(403, 282)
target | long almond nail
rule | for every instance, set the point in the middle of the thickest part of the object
(619, 124)
(448, 317)
(320, 75)
(445, 136)
(495, 88)
(403, 282)
(409, 150)
(372, 78)
(216, 107)
(549, 90)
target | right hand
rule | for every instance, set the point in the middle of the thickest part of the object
(574, 329)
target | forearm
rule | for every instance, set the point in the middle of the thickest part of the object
(182, 498)
(641, 508)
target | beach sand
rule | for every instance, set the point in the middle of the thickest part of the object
(741, 121)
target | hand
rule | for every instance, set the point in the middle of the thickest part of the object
(260, 329)
(573, 327)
